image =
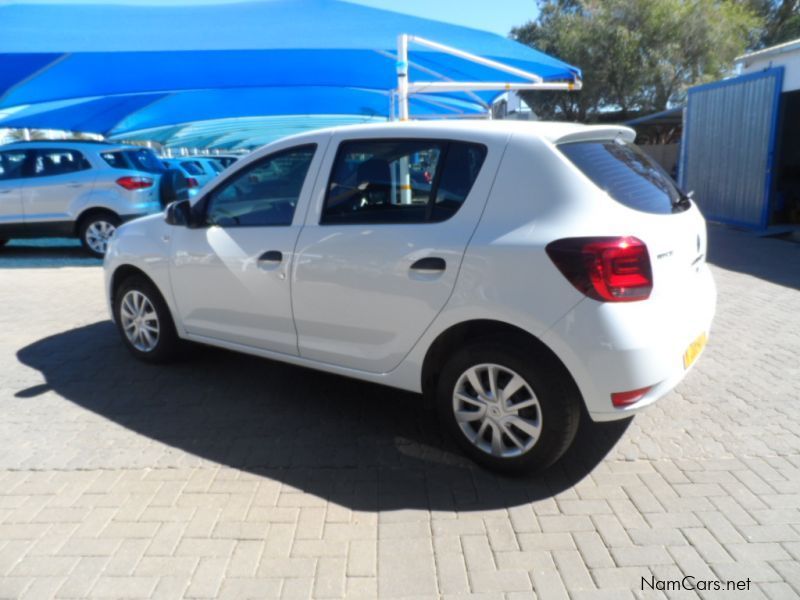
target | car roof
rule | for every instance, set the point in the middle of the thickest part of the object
(553, 131)
(98, 145)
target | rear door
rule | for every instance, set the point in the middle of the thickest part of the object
(13, 164)
(60, 176)
(381, 250)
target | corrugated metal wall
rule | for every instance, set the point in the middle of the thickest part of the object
(729, 139)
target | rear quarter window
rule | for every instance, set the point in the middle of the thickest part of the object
(626, 174)
(136, 160)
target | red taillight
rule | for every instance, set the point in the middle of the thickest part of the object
(608, 269)
(135, 183)
(192, 182)
(620, 399)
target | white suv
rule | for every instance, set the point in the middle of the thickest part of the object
(513, 272)
(75, 189)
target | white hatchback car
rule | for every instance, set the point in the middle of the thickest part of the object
(513, 272)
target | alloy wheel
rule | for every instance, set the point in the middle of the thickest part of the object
(139, 321)
(497, 410)
(97, 235)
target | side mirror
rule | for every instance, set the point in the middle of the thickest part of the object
(178, 213)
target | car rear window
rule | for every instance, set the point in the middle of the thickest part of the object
(193, 167)
(136, 160)
(145, 160)
(626, 174)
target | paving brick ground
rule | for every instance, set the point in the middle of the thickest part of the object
(225, 476)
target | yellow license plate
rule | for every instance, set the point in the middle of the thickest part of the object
(694, 350)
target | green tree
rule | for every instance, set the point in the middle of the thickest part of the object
(781, 20)
(636, 55)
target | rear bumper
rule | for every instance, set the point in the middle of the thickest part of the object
(617, 347)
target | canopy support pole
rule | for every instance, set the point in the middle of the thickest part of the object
(402, 76)
(405, 88)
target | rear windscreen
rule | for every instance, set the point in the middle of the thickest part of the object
(145, 160)
(627, 174)
(193, 167)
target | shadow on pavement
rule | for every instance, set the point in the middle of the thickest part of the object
(769, 259)
(45, 253)
(360, 445)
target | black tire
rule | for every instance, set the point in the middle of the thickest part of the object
(3, 243)
(558, 398)
(167, 343)
(101, 219)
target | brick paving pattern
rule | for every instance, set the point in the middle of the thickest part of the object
(226, 476)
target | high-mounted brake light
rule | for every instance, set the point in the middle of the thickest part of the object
(608, 269)
(135, 183)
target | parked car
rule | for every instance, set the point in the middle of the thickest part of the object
(196, 169)
(226, 160)
(75, 188)
(547, 268)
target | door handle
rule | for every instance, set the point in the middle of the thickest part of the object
(429, 264)
(271, 256)
(75, 185)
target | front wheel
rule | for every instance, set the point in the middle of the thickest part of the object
(96, 230)
(144, 321)
(510, 406)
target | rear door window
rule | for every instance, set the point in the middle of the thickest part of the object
(59, 162)
(400, 181)
(626, 174)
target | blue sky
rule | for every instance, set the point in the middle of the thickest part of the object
(498, 16)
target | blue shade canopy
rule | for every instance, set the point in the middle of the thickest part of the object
(239, 133)
(118, 115)
(168, 64)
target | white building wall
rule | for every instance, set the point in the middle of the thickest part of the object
(786, 56)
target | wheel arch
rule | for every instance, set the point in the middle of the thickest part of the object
(456, 335)
(89, 212)
(124, 272)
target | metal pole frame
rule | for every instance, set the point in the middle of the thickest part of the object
(405, 88)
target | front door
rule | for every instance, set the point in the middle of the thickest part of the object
(380, 260)
(229, 276)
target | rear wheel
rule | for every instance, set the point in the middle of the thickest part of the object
(144, 321)
(509, 406)
(96, 230)
(3, 243)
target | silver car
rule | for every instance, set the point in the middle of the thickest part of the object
(196, 169)
(75, 188)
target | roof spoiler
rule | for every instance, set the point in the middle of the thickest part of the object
(599, 132)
